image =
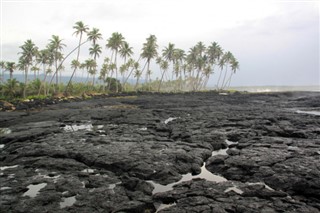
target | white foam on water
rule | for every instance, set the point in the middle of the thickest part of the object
(34, 189)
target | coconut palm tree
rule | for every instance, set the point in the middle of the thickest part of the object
(137, 75)
(149, 51)
(164, 65)
(214, 53)
(95, 51)
(10, 66)
(114, 43)
(167, 54)
(234, 67)
(104, 71)
(11, 87)
(125, 52)
(29, 51)
(2, 66)
(45, 57)
(80, 28)
(227, 58)
(94, 35)
(56, 46)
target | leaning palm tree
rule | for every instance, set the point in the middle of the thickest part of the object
(56, 46)
(95, 51)
(80, 28)
(94, 35)
(29, 51)
(114, 43)
(227, 58)
(214, 52)
(234, 67)
(149, 51)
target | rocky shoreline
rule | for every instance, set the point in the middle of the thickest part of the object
(121, 154)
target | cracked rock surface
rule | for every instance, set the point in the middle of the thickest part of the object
(108, 154)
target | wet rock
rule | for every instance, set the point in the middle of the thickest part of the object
(110, 168)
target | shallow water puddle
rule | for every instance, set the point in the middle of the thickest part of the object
(68, 201)
(77, 127)
(170, 119)
(112, 186)
(34, 189)
(204, 174)
(261, 183)
(8, 167)
(88, 170)
(164, 206)
(5, 131)
(86, 126)
(235, 189)
(308, 112)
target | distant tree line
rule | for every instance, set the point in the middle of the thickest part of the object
(180, 70)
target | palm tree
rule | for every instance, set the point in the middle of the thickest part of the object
(29, 51)
(11, 87)
(35, 69)
(167, 54)
(125, 52)
(94, 35)
(164, 65)
(114, 43)
(227, 58)
(137, 75)
(2, 66)
(80, 28)
(10, 66)
(104, 71)
(45, 57)
(95, 51)
(56, 46)
(234, 67)
(214, 52)
(149, 51)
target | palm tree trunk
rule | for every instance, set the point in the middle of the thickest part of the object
(137, 83)
(75, 68)
(224, 78)
(161, 80)
(219, 78)
(25, 82)
(115, 62)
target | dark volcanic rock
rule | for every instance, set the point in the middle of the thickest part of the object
(102, 154)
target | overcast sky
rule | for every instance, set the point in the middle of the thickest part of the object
(276, 42)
